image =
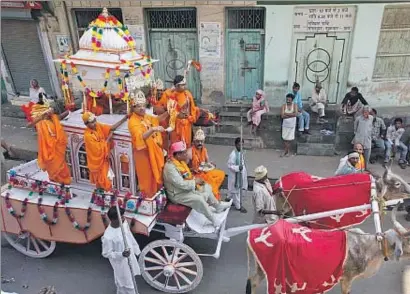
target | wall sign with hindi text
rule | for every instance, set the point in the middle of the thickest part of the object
(323, 19)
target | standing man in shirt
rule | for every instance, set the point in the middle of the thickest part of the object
(303, 116)
(363, 126)
(378, 135)
(393, 142)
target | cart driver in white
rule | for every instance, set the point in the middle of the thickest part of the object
(183, 188)
(263, 199)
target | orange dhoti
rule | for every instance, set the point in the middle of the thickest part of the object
(98, 154)
(52, 144)
(215, 179)
(148, 153)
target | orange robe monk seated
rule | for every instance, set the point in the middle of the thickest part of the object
(147, 146)
(199, 155)
(52, 144)
(186, 109)
(97, 146)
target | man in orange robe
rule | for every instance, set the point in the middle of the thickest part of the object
(97, 138)
(185, 106)
(52, 143)
(147, 146)
(199, 156)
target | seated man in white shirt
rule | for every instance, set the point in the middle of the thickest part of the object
(350, 165)
(393, 142)
(318, 102)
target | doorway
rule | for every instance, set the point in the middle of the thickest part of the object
(245, 36)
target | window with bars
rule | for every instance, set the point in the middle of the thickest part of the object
(393, 52)
(83, 17)
(253, 18)
(171, 18)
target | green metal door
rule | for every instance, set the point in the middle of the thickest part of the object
(173, 40)
(244, 58)
(244, 52)
(174, 50)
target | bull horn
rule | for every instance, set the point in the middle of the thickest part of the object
(398, 226)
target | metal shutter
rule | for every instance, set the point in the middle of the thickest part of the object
(24, 56)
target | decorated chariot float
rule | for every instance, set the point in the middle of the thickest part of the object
(37, 213)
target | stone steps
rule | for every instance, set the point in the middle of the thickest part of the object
(317, 137)
(228, 139)
(316, 149)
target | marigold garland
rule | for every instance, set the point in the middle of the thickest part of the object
(43, 214)
(11, 209)
(75, 224)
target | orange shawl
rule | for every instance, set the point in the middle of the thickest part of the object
(52, 144)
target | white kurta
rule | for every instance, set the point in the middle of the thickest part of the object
(113, 247)
(33, 93)
(233, 168)
(263, 199)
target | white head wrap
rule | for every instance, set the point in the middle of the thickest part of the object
(260, 172)
(353, 154)
(260, 92)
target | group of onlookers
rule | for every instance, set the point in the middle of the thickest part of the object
(372, 139)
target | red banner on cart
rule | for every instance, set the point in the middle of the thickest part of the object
(308, 194)
(297, 259)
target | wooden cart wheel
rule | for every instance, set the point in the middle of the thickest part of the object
(29, 245)
(170, 267)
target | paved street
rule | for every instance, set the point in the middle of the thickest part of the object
(81, 269)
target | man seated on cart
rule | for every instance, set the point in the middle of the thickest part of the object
(183, 188)
(97, 139)
(202, 167)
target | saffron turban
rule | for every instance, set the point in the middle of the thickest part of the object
(88, 117)
(39, 110)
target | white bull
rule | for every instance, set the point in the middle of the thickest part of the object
(364, 256)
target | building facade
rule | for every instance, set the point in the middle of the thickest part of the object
(248, 45)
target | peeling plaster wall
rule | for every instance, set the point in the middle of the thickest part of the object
(365, 38)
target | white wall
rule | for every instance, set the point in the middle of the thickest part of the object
(365, 42)
(278, 39)
(365, 38)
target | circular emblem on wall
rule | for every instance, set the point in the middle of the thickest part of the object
(318, 65)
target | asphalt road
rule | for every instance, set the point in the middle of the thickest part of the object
(81, 268)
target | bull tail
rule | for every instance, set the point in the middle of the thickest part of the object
(249, 253)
